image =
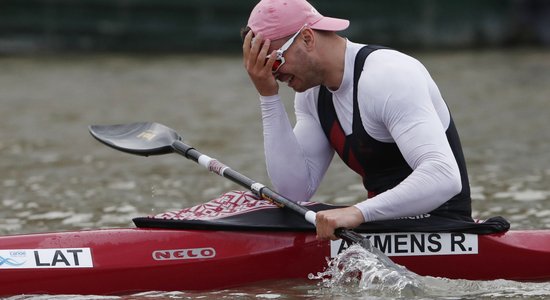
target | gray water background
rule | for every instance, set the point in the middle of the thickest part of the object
(55, 176)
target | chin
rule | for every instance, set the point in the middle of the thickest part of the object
(301, 89)
(298, 88)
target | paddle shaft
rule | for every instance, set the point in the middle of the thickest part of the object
(258, 189)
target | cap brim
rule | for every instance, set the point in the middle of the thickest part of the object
(330, 24)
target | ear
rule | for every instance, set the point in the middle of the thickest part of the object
(308, 36)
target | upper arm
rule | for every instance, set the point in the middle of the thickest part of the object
(401, 109)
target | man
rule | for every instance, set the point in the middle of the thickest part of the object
(388, 122)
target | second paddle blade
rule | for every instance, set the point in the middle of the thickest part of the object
(145, 138)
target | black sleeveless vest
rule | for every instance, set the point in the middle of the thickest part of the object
(380, 164)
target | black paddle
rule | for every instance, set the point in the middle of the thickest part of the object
(155, 139)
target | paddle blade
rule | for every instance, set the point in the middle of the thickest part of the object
(137, 138)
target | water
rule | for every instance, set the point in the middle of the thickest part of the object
(54, 176)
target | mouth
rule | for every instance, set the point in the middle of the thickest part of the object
(289, 80)
(284, 77)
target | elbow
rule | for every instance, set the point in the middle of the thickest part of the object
(293, 195)
(453, 182)
(455, 186)
(293, 192)
(445, 180)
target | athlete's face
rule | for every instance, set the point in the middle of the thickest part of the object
(300, 70)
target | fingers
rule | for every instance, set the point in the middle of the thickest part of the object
(247, 45)
(328, 220)
(255, 51)
(326, 224)
(251, 45)
(271, 60)
(262, 55)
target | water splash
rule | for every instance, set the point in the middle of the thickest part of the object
(359, 271)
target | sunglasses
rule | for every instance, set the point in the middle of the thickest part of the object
(280, 60)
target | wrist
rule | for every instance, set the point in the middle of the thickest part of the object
(270, 99)
(362, 211)
(357, 214)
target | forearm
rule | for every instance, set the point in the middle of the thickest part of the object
(424, 190)
(285, 160)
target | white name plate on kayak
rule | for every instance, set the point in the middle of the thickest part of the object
(46, 258)
(417, 243)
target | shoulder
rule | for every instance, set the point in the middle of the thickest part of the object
(393, 82)
(390, 74)
(391, 65)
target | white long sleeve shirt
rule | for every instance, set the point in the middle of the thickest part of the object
(399, 103)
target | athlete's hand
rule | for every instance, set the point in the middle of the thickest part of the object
(258, 68)
(328, 220)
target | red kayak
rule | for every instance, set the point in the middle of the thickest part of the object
(121, 261)
(237, 239)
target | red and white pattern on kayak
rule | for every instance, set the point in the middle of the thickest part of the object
(229, 204)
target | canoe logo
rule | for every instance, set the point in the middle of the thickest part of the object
(14, 258)
(147, 135)
(46, 258)
(10, 262)
(180, 254)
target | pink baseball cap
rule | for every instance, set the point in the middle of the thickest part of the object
(276, 19)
